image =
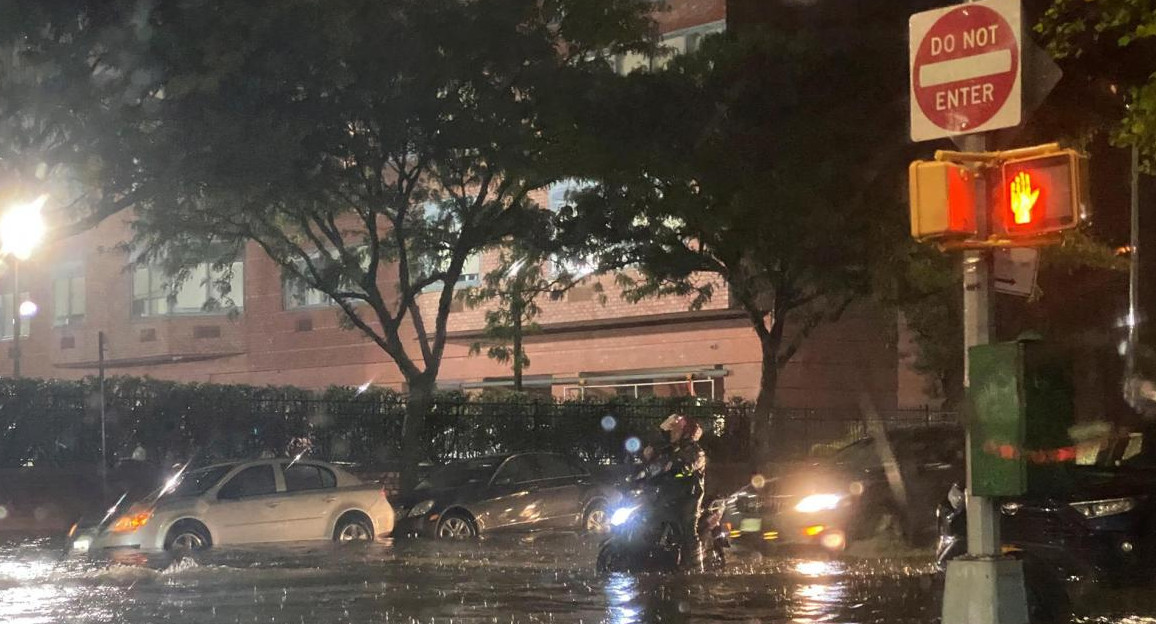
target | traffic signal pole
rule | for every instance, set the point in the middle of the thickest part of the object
(982, 515)
(983, 587)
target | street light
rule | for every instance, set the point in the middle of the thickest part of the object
(21, 230)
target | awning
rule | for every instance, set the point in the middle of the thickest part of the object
(596, 378)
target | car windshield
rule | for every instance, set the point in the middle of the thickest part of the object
(195, 482)
(859, 453)
(461, 473)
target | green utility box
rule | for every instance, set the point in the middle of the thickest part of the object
(1022, 410)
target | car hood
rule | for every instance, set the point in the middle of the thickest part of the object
(439, 495)
(806, 480)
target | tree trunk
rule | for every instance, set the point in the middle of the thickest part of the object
(766, 425)
(516, 313)
(413, 433)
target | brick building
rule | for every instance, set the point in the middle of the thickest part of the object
(281, 334)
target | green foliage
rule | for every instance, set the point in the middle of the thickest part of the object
(68, 107)
(929, 292)
(755, 161)
(512, 292)
(1113, 44)
(369, 148)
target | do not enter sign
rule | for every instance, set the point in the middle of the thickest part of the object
(965, 69)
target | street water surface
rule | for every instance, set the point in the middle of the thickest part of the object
(506, 579)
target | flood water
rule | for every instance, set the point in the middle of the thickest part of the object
(534, 579)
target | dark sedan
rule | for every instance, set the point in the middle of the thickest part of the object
(1093, 518)
(852, 495)
(516, 492)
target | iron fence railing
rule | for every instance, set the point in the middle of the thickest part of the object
(172, 422)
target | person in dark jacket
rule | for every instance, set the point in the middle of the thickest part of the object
(681, 478)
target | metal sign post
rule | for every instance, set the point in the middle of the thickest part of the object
(103, 431)
(966, 81)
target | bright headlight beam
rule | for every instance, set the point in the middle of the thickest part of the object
(621, 515)
(818, 502)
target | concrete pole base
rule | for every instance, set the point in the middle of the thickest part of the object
(988, 590)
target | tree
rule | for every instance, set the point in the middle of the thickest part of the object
(369, 147)
(512, 291)
(1111, 44)
(769, 161)
(73, 85)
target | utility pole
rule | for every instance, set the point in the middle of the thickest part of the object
(103, 430)
(16, 324)
(982, 514)
(1131, 388)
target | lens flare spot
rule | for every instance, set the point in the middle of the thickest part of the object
(609, 423)
(633, 445)
(758, 481)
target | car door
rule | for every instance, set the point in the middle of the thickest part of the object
(310, 500)
(246, 507)
(510, 501)
(560, 491)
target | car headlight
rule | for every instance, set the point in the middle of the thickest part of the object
(1109, 507)
(621, 515)
(421, 508)
(130, 522)
(818, 502)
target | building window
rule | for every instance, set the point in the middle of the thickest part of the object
(154, 294)
(645, 388)
(8, 320)
(68, 300)
(299, 294)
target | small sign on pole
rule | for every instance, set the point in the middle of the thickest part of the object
(1015, 270)
(965, 69)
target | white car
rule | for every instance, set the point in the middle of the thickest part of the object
(268, 500)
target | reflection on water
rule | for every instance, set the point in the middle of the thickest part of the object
(621, 590)
(817, 568)
(544, 578)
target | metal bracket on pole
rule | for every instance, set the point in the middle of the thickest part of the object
(985, 157)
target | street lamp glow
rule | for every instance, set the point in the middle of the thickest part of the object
(22, 228)
(28, 309)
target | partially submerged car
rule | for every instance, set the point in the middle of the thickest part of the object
(515, 492)
(268, 500)
(854, 493)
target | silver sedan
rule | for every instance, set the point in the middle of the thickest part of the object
(269, 500)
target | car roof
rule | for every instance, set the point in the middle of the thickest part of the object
(501, 457)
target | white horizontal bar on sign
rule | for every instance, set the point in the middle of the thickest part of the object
(955, 70)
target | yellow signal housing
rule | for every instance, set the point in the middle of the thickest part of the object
(942, 200)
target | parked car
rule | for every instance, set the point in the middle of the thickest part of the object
(850, 496)
(1093, 519)
(515, 492)
(268, 500)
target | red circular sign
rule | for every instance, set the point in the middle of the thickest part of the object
(965, 68)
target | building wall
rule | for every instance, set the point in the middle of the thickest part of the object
(581, 339)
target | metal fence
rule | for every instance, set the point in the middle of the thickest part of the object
(172, 421)
(598, 432)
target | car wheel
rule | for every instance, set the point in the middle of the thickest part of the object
(353, 529)
(596, 520)
(188, 536)
(456, 525)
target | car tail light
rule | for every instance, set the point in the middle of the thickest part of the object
(131, 521)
